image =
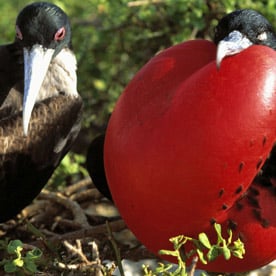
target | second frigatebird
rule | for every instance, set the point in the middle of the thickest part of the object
(40, 107)
(234, 33)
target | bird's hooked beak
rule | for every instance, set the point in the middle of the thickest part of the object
(36, 63)
(234, 43)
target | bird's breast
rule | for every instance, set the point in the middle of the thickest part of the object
(61, 77)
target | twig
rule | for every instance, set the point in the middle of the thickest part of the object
(41, 211)
(77, 250)
(48, 233)
(78, 267)
(87, 232)
(143, 2)
(193, 266)
(84, 183)
(95, 251)
(116, 249)
(85, 263)
(33, 209)
(68, 223)
(73, 206)
(87, 194)
(68, 266)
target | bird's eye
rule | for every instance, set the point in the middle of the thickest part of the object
(60, 34)
(18, 33)
(262, 36)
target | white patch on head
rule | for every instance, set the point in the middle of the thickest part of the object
(262, 36)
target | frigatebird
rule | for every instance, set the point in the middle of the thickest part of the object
(40, 109)
(234, 33)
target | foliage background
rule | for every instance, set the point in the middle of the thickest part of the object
(113, 39)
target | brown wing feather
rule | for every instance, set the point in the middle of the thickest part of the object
(26, 163)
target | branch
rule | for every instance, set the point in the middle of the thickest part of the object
(78, 250)
(89, 231)
(143, 2)
(73, 206)
(84, 183)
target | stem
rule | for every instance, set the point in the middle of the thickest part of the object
(116, 249)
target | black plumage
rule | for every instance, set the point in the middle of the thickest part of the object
(37, 82)
(250, 23)
(95, 165)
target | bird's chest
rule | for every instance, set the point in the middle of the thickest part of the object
(60, 79)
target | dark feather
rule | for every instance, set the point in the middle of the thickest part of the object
(11, 68)
(26, 163)
(95, 165)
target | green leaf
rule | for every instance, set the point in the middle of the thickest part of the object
(201, 256)
(226, 253)
(230, 233)
(238, 250)
(213, 253)
(162, 268)
(10, 267)
(168, 252)
(30, 266)
(18, 262)
(178, 241)
(15, 246)
(34, 254)
(218, 231)
(204, 240)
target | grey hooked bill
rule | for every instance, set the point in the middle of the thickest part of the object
(36, 63)
(234, 43)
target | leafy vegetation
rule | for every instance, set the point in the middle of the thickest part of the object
(25, 260)
(202, 248)
(69, 171)
(22, 261)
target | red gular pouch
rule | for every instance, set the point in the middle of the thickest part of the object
(185, 142)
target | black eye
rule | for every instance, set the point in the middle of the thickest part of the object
(60, 34)
(18, 33)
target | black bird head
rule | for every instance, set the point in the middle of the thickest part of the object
(239, 30)
(42, 30)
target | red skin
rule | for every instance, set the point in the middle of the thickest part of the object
(185, 140)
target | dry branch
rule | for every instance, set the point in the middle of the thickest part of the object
(73, 206)
(86, 232)
(84, 183)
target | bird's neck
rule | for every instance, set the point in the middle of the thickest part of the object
(61, 77)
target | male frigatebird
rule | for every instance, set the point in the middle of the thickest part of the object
(186, 139)
(40, 107)
(234, 33)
